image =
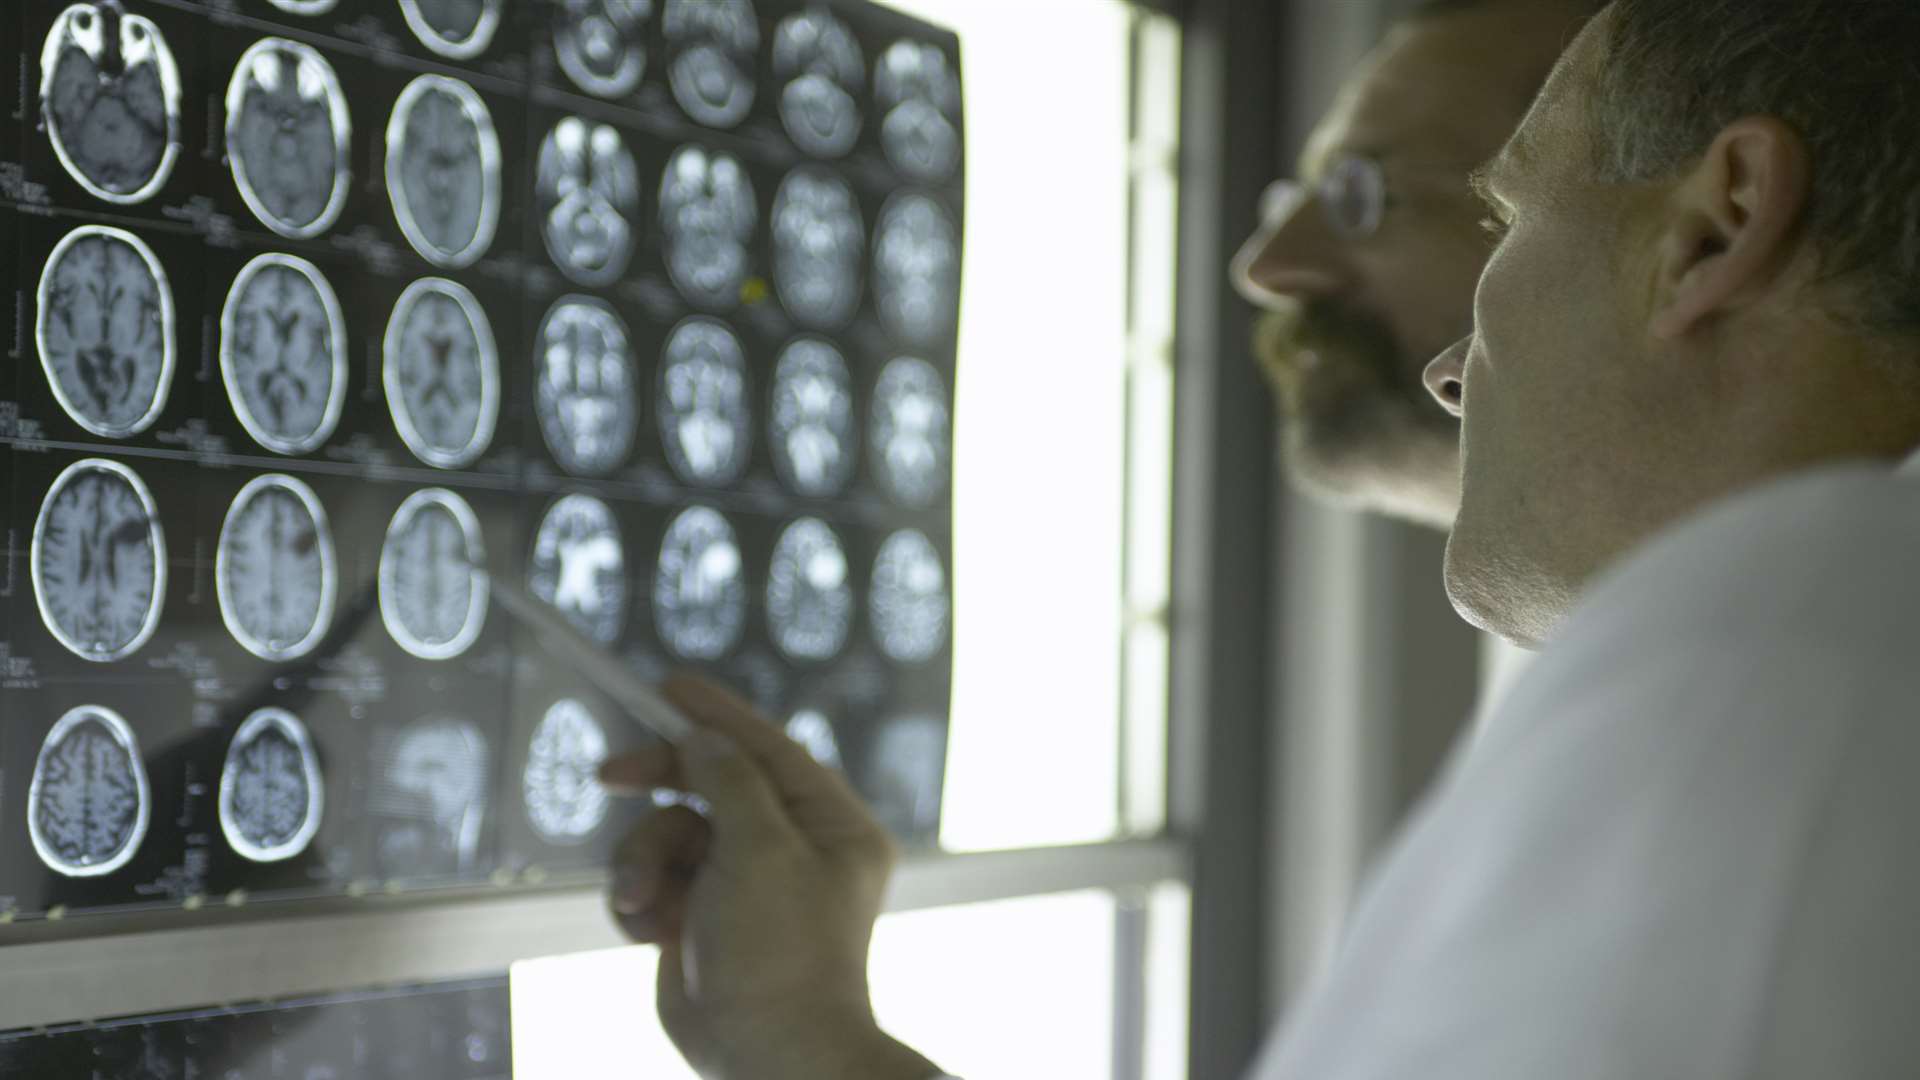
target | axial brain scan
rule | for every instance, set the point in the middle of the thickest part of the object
(916, 256)
(442, 373)
(580, 566)
(99, 561)
(705, 420)
(589, 193)
(585, 396)
(110, 100)
(88, 803)
(809, 596)
(431, 787)
(818, 242)
(812, 730)
(711, 46)
(455, 29)
(921, 94)
(908, 603)
(105, 330)
(601, 44)
(699, 594)
(271, 795)
(707, 216)
(433, 588)
(911, 432)
(283, 353)
(812, 418)
(817, 59)
(560, 786)
(287, 132)
(443, 170)
(274, 571)
(905, 772)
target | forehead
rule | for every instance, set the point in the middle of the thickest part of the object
(1555, 116)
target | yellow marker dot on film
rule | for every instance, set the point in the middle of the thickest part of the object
(753, 290)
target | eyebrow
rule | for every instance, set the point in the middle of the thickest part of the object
(1481, 183)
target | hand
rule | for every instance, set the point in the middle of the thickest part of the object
(764, 909)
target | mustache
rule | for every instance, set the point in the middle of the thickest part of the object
(1336, 334)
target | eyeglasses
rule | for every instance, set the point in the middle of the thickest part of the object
(1352, 194)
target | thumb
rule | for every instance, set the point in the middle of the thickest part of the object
(744, 810)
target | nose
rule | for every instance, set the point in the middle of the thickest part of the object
(1292, 256)
(1446, 376)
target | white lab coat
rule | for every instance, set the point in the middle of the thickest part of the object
(1686, 846)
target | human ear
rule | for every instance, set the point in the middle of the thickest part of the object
(1732, 222)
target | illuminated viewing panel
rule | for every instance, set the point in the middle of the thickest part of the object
(343, 316)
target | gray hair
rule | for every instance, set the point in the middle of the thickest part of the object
(1843, 73)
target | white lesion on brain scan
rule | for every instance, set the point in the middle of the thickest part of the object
(99, 561)
(579, 566)
(699, 591)
(443, 170)
(712, 46)
(916, 256)
(812, 418)
(919, 92)
(287, 134)
(560, 786)
(272, 794)
(814, 732)
(818, 244)
(456, 29)
(283, 353)
(707, 218)
(429, 795)
(809, 592)
(110, 101)
(88, 803)
(442, 373)
(911, 432)
(908, 602)
(706, 422)
(601, 44)
(275, 573)
(822, 74)
(588, 189)
(432, 578)
(105, 330)
(585, 392)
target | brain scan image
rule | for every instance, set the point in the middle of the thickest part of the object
(443, 170)
(99, 561)
(813, 731)
(589, 195)
(442, 373)
(809, 596)
(580, 566)
(287, 133)
(705, 419)
(110, 101)
(433, 585)
(920, 93)
(283, 353)
(455, 29)
(105, 330)
(560, 785)
(812, 419)
(304, 7)
(912, 433)
(586, 393)
(430, 786)
(822, 74)
(711, 46)
(905, 774)
(88, 804)
(271, 796)
(908, 603)
(916, 255)
(818, 243)
(274, 572)
(699, 593)
(707, 217)
(601, 44)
